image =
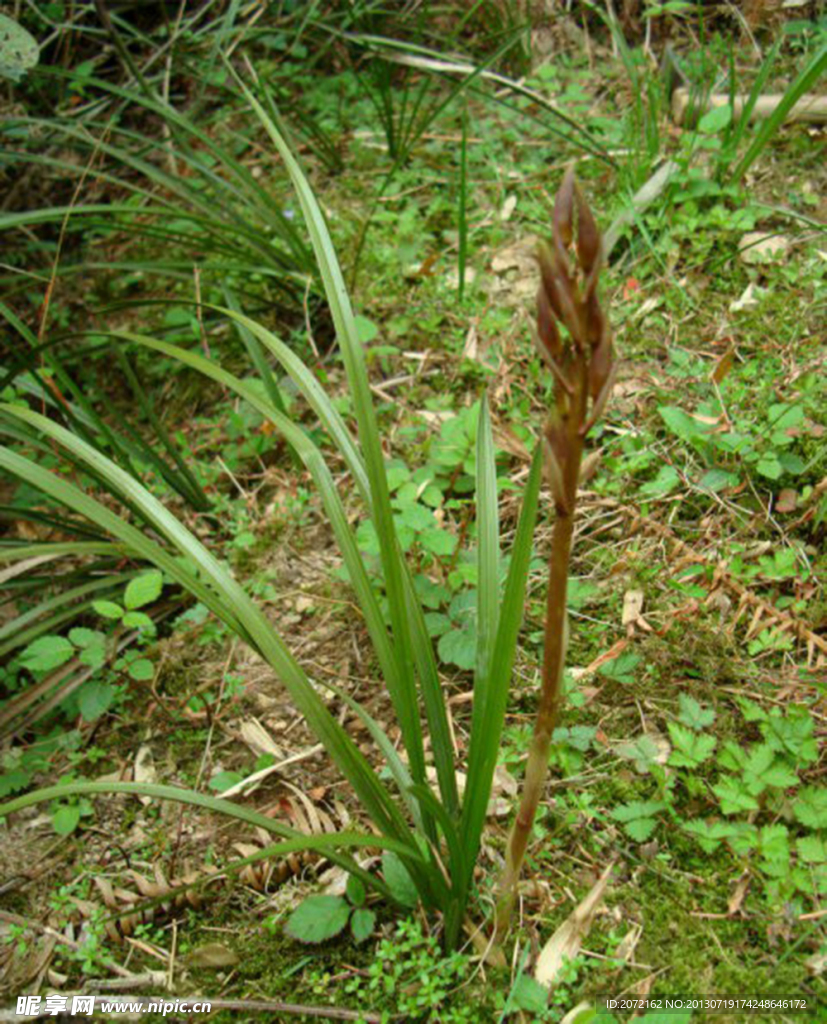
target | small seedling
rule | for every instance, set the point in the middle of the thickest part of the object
(319, 918)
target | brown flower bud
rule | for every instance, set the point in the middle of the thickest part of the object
(563, 215)
(588, 239)
(560, 292)
(547, 325)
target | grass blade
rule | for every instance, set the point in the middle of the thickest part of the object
(805, 81)
(485, 739)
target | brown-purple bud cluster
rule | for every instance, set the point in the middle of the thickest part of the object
(581, 359)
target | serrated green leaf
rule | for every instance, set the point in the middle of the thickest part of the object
(811, 849)
(689, 748)
(691, 713)
(637, 809)
(362, 924)
(810, 807)
(46, 653)
(770, 467)
(715, 120)
(143, 590)
(682, 424)
(733, 796)
(709, 835)
(19, 51)
(108, 609)
(717, 480)
(95, 699)
(318, 918)
(459, 647)
(139, 620)
(780, 776)
(751, 711)
(141, 670)
(640, 829)
(366, 330)
(621, 668)
(529, 995)
(664, 483)
(94, 657)
(82, 637)
(774, 842)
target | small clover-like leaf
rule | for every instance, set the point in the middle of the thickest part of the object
(141, 670)
(223, 780)
(65, 819)
(355, 891)
(398, 880)
(362, 924)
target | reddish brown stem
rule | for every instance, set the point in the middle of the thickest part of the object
(583, 366)
(554, 658)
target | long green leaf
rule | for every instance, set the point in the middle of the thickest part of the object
(761, 78)
(488, 563)
(336, 514)
(354, 361)
(295, 841)
(224, 596)
(805, 81)
(485, 739)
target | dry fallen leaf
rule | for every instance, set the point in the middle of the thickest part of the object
(258, 739)
(508, 207)
(738, 894)
(626, 948)
(723, 365)
(787, 500)
(632, 607)
(759, 247)
(470, 349)
(503, 789)
(816, 964)
(519, 256)
(565, 942)
(452, 277)
(212, 955)
(748, 300)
